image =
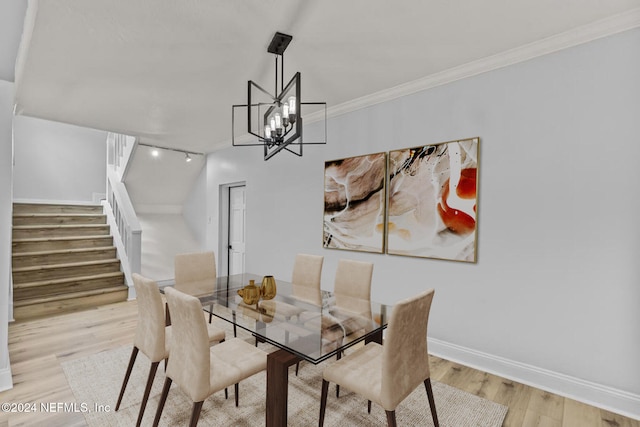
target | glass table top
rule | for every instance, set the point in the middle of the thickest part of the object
(311, 323)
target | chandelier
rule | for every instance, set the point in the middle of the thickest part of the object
(276, 119)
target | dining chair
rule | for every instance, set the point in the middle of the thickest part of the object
(352, 285)
(195, 274)
(352, 291)
(152, 336)
(387, 374)
(306, 278)
(198, 370)
(305, 281)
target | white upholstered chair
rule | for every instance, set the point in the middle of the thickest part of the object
(152, 336)
(352, 291)
(387, 374)
(198, 370)
(306, 278)
(352, 286)
(195, 274)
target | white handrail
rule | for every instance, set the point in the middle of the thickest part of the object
(121, 216)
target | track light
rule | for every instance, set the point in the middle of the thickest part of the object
(155, 151)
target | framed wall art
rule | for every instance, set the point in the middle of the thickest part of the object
(432, 202)
(354, 203)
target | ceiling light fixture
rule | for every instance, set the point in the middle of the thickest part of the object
(276, 119)
(187, 157)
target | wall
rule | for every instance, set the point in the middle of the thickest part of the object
(553, 298)
(6, 148)
(194, 210)
(47, 163)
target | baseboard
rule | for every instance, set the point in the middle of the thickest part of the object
(608, 398)
(6, 382)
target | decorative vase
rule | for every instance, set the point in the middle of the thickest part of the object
(250, 294)
(268, 288)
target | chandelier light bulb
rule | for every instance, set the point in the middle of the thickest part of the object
(278, 119)
(267, 132)
(285, 111)
(273, 124)
(292, 105)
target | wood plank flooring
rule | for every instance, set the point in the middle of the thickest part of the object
(38, 347)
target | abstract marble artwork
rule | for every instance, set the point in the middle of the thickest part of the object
(354, 201)
(432, 206)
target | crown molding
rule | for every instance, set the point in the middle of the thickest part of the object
(577, 36)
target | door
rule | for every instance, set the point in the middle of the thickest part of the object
(236, 229)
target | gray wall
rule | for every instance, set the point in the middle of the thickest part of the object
(553, 298)
(50, 156)
(6, 113)
(194, 209)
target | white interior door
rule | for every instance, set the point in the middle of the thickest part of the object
(236, 229)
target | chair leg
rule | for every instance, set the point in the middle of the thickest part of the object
(297, 367)
(236, 389)
(147, 390)
(323, 401)
(338, 357)
(391, 418)
(226, 393)
(235, 333)
(163, 399)
(210, 312)
(195, 414)
(368, 406)
(432, 403)
(132, 360)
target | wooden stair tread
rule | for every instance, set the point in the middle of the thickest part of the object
(53, 214)
(67, 280)
(61, 238)
(58, 226)
(63, 251)
(71, 295)
(66, 265)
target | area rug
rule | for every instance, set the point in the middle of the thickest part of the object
(96, 380)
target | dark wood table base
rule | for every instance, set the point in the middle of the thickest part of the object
(278, 363)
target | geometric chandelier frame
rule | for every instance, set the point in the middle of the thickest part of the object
(275, 120)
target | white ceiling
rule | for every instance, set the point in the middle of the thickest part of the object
(168, 71)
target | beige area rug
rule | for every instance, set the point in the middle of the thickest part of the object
(96, 380)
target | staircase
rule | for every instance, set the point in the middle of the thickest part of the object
(63, 260)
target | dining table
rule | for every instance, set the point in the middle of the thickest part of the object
(302, 324)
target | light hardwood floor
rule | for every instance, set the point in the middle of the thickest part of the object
(38, 347)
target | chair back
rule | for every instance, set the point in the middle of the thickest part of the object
(405, 361)
(150, 331)
(352, 286)
(195, 271)
(190, 358)
(306, 277)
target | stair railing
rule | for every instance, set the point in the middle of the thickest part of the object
(121, 217)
